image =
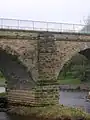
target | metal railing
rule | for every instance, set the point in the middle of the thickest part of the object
(43, 26)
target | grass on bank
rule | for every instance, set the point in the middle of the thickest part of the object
(3, 94)
(69, 81)
(2, 81)
(56, 112)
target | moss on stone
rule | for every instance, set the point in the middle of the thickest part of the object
(46, 95)
(56, 112)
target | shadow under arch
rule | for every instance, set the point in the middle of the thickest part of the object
(84, 53)
(15, 73)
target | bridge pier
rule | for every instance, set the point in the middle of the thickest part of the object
(47, 90)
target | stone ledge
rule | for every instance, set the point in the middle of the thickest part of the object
(34, 35)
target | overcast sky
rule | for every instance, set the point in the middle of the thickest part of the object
(71, 11)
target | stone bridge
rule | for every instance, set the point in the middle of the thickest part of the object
(32, 60)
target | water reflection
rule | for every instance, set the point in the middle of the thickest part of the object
(4, 116)
(2, 89)
(74, 99)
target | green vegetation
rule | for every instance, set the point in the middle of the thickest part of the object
(69, 81)
(2, 79)
(56, 112)
(75, 71)
(3, 94)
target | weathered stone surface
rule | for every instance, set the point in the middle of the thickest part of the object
(31, 59)
(47, 95)
(21, 97)
(46, 56)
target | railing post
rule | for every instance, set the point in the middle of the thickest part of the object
(1, 22)
(18, 24)
(87, 28)
(73, 28)
(47, 25)
(33, 24)
(61, 27)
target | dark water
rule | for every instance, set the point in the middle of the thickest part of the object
(4, 116)
(74, 99)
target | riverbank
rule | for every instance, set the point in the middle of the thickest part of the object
(56, 112)
(3, 94)
(80, 87)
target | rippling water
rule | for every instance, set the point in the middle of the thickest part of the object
(75, 99)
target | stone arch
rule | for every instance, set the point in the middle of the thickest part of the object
(66, 50)
(13, 69)
(25, 50)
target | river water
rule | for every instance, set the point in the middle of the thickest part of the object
(2, 89)
(68, 98)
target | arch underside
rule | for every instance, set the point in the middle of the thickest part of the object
(66, 50)
(15, 72)
(86, 53)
